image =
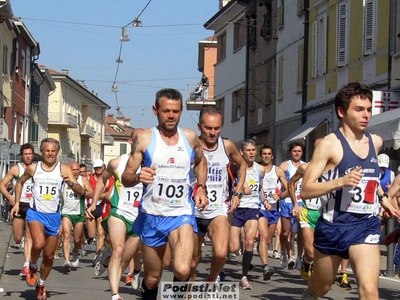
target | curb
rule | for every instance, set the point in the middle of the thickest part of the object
(5, 245)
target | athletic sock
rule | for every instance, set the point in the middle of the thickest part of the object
(247, 258)
(148, 294)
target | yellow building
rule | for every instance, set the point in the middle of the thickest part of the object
(345, 44)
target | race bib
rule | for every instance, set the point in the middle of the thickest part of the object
(214, 195)
(361, 198)
(170, 191)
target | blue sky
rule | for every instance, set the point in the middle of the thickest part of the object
(83, 37)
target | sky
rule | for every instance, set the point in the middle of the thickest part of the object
(83, 38)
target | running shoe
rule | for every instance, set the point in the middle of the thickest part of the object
(136, 281)
(298, 263)
(128, 279)
(96, 259)
(30, 278)
(67, 266)
(268, 272)
(284, 260)
(41, 292)
(56, 256)
(306, 296)
(306, 270)
(24, 271)
(100, 267)
(276, 255)
(82, 252)
(75, 259)
(291, 264)
(244, 284)
(392, 237)
(342, 281)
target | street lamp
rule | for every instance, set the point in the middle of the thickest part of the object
(137, 23)
(125, 37)
(114, 87)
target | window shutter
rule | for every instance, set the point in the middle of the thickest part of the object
(323, 45)
(300, 57)
(392, 28)
(342, 35)
(369, 27)
(314, 54)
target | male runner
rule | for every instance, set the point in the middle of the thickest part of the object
(214, 220)
(247, 214)
(349, 226)
(43, 216)
(73, 217)
(19, 225)
(273, 184)
(169, 154)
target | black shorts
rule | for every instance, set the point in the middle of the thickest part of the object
(23, 209)
(202, 226)
(242, 215)
(98, 211)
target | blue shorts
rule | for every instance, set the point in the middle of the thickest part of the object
(50, 221)
(154, 230)
(242, 215)
(336, 239)
(286, 208)
(272, 216)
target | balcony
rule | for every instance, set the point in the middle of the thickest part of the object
(88, 162)
(87, 131)
(107, 140)
(198, 97)
(3, 129)
(65, 120)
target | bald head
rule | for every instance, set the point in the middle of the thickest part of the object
(74, 166)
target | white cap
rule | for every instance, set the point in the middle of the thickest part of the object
(383, 161)
(97, 163)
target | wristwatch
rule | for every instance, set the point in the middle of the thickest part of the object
(239, 195)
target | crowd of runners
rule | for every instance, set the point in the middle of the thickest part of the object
(155, 206)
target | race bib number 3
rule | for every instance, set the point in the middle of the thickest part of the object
(170, 191)
(360, 199)
(214, 195)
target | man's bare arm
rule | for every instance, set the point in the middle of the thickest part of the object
(12, 173)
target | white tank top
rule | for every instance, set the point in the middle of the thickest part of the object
(171, 193)
(253, 179)
(271, 185)
(125, 201)
(47, 189)
(72, 204)
(217, 182)
(26, 195)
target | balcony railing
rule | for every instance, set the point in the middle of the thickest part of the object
(198, 97)
(3, 129)
(88, 162)
(107, 140)
(63, 119)
(87, 130)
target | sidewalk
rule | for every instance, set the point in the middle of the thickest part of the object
(5, 238)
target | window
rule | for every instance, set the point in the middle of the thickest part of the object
(280, 13)
(220, 104)
(266, 29)
(123, 149)
(237, 103)
(253, 89)
(35, 95)
(369, 27)
(269, 92)
(342, 34)
(23, 65)
(280, 77)
(319, 47)
(239, 34)
(221, 50)
(34, 136)
(5, 59)
(300, 6)
(300, 57)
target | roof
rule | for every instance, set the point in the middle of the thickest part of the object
(123, 133)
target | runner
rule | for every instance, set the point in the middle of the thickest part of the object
(166, 174)
(43, 216)
(20, 226)
(247, 214)
(73, 217)
(273, 183)
(349, 226)
(214, 220)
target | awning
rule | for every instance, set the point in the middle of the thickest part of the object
(301, 133)
(387, 126)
